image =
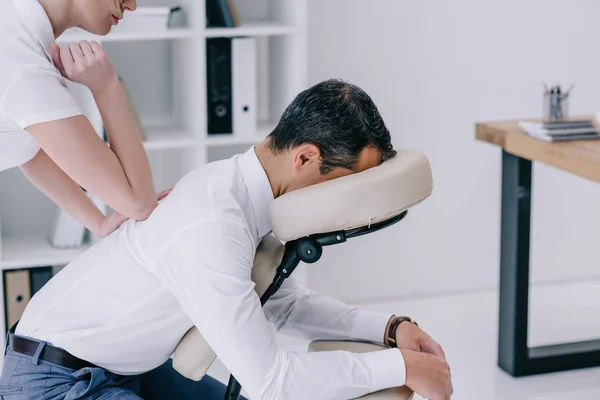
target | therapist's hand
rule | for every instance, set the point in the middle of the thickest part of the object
(108, 225)
(85, 63)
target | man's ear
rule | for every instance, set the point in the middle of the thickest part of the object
(305, 154)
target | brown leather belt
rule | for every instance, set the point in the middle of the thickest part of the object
(50, 353)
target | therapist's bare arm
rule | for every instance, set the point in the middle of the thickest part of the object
(119, 175)
(69, 196)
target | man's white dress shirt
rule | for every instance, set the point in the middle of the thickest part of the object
(125, 304)
(31, 87)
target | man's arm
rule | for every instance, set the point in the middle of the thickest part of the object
(207, 267)
(302, 312)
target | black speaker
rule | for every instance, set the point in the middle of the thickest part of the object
(219, 93)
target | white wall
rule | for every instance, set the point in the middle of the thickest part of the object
(434, 68)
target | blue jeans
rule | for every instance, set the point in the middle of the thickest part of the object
(29, 378)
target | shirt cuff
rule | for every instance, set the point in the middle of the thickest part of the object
(387, 368)
(370, 326)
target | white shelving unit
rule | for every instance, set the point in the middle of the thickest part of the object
(165, 138)
(77, 35)
(252, 29)
(34, 251)
(165, 72)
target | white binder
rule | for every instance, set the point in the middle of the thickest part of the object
(244, 87)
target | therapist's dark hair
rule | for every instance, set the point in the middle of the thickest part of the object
(337, 117)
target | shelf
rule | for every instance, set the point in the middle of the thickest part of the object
(251, 29)
(169, 138)
(246, 29)
(77, 35)
(263, 129)
(229, 140)
(34, 251)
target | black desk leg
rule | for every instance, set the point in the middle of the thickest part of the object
(514, 355)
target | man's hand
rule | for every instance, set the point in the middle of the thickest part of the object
(428, 375)
(411, 337)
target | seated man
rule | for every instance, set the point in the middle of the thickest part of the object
(106, 325)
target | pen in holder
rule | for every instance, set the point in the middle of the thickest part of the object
(556, 103)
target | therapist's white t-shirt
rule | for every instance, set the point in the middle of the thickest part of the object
(31, 87)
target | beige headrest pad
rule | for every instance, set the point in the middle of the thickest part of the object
(398, 393)
(355, 200)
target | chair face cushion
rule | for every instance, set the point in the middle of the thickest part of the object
(355, 200)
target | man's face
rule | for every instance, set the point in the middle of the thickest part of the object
(307, 162)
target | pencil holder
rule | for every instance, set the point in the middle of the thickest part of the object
(556, 104)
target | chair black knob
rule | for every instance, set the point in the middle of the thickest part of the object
(309, 250)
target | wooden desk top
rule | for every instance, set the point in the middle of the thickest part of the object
(580, 157)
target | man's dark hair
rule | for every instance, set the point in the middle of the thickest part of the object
(337, 117)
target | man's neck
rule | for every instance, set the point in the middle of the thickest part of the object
(270, 163)
(61, 14)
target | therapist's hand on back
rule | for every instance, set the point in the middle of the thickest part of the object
(109, 224)
(85, 63)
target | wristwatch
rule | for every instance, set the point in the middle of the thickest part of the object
(394, 324)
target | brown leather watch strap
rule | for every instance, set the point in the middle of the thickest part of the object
(391, 332)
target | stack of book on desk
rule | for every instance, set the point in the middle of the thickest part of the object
(561, 131)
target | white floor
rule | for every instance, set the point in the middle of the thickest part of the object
(466, 326)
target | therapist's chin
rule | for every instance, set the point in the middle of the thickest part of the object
(101, 29)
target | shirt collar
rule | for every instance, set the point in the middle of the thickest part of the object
(36, 19)
(259, 189)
